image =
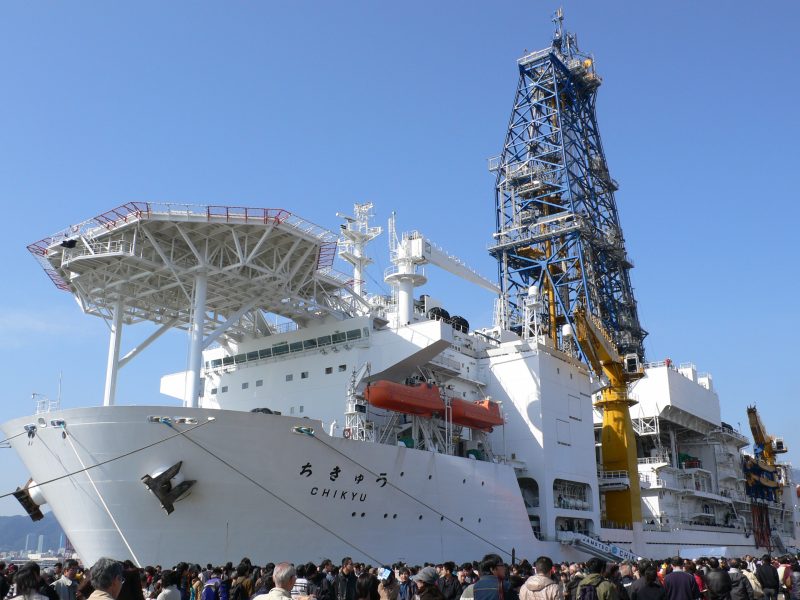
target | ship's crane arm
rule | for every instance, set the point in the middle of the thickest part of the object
(422, 251)
(616, 437)
(769, 445)
(601, 354)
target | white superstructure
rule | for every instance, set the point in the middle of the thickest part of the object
(277, 440)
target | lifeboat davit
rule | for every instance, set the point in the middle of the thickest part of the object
(482, 414)
(421, 399)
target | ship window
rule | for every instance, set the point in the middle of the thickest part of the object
(265, 353)
(279, 349)
(328, 370)
(224, 389)
(310, 344)
(342, 368)
(325, 340)
(338, 337)
(289, 377)
(240, 358)
(354, 334)
(304, 375)
(228, 360)
(252, 355)
(366, 331)
(217, 362)
(245, 385)
(572, 495)
(259, 382)
(207, 364)
(291, 410)
(301, 409)
(213, 391)
(295, 346)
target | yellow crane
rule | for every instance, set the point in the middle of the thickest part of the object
(769, 444)
(618, 442)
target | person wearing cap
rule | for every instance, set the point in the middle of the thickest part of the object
(426, 584)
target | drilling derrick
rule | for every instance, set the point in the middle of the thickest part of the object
(557, 226)
(563, 269)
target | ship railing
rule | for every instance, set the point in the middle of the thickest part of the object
(619, 474)
(448, 363)
(606, 524)
(653, 460)
(724, 431)
(102, 247)
(534, 56)
(395, 269)
(655, 526)
(660, 363)
(133, 211)
(687, 524)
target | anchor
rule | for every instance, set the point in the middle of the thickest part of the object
(167, 493)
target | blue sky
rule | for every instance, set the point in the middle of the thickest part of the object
(314, 106)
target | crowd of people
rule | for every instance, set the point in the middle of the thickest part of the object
(743, 578)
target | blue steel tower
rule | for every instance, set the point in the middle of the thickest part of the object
(558, 234)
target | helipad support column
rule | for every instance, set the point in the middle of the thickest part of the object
(196, 343)
(112, 366)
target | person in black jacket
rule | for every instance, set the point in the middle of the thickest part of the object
(649, 589)
(718, 582)
(344, 585)
(767, 576)
(740, 586)
(448, 583)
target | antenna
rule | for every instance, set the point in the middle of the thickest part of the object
(558, 21)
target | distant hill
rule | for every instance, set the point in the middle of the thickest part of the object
(14, 529)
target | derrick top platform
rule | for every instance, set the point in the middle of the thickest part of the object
(146, 257)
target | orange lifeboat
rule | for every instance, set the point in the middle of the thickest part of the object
(483, 414)
(419, 399)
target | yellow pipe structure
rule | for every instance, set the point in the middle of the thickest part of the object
(617, 437)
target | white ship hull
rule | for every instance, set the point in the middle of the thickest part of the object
(433, 506)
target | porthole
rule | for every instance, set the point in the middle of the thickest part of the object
(402, 473)
(479, 519)
(441, 518)
(385, 515)
(461, 519)
(394, 516)
(420, 517)
(353, 515)
(363, 515)
(430, 477)
(463, 481)
(482, 483)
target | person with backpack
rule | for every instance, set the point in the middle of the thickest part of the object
(575, 578)
(541, 586)
(240, 583)
(594, 586)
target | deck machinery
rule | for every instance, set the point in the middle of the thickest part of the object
(558, 233)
